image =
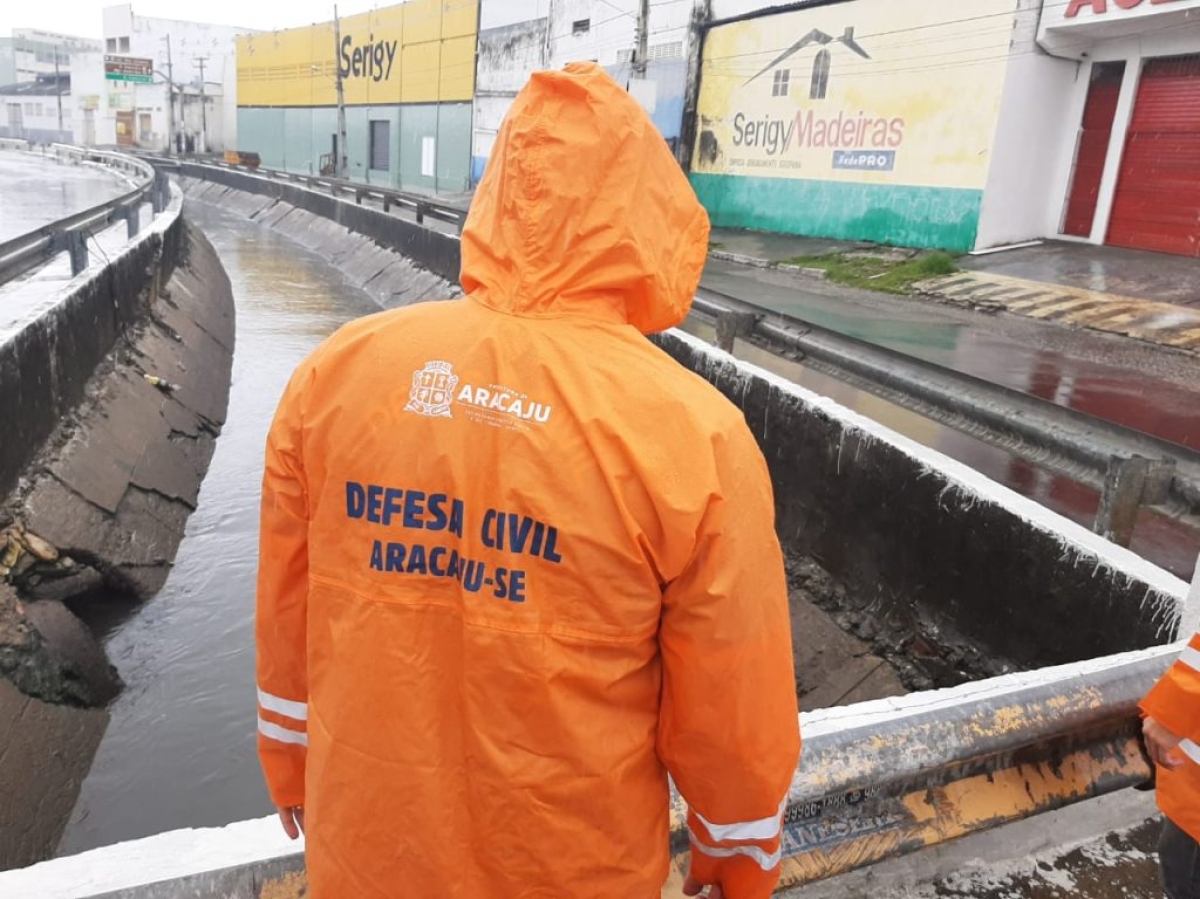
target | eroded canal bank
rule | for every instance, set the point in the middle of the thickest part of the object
(115, 391)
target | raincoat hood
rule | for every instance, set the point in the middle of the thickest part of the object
(583, 210)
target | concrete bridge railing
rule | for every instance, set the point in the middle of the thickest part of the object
(876, 779)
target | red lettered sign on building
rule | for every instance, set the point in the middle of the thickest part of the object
(1101, 7)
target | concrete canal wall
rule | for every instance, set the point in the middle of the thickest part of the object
(100, 470)
(944, 570)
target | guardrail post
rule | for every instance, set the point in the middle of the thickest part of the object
(159, 192)
(75, 243)
(387, 202)
(358, 195)
(131, 212)
(420, 213)
(732, 324)
(1127, 484)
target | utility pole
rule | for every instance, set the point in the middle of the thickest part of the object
(58, 92)
(170, 99)
(643, 35)
(203, 148)
(340, 162)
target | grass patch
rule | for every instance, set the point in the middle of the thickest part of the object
(715, 245)
(878, 273)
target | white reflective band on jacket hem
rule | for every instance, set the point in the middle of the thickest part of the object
(273, 731)
(281, 706)
(766, 861)
(1190, 657)
(763, 829)
(1191, 750)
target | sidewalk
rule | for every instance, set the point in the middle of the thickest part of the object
(1147, 296)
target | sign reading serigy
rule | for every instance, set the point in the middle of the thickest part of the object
(372, 60)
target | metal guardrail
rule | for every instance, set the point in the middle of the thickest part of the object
(70, 234)
(888, 777)
(420, 205)
(1080, 445)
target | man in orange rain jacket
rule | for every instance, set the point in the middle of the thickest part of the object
(517, 565)
(1172, 731)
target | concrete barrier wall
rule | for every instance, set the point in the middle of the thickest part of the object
(46, 363)
(941, 565)
(437, 252)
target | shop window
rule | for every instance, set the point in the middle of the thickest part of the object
(780, 87)
(381, 154)
(581, 26)
(820, 76)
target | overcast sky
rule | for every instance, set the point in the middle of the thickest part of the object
(82, 17)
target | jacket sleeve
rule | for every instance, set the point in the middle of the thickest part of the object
(728, 724)
(1174, 701)
(280, 622)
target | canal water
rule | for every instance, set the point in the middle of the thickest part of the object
(180, 749)
(38, 190)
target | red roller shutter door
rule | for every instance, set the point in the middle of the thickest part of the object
(1157, 203)
(1092, 151)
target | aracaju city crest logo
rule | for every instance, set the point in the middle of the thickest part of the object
(432, 390)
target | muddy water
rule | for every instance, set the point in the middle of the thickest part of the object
(180, 748)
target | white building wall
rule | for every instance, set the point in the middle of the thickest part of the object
(507, 53)
(89, 92)
(1034, 146)
(184, 44)
(38, 117)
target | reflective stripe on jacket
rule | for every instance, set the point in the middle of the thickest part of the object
(517, 564)
(1175, 703)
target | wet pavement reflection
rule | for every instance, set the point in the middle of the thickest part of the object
(1076, 369)
(35, 191)
(1162, 540)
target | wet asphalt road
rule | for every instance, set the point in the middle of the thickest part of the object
(36, 190)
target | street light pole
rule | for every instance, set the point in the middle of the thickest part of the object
(203, 148)
(58, 91)
(643, 34)
(170, 99)
(340, 162)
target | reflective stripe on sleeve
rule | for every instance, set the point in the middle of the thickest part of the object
(273, 731)
(1191, 750)
(281, 706)
(1190, 657)
(766, 861)
(767, 828)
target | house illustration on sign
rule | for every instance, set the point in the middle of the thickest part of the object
(820, 68)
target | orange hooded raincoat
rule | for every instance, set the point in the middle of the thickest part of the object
(1175, 703)
(517, 564)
